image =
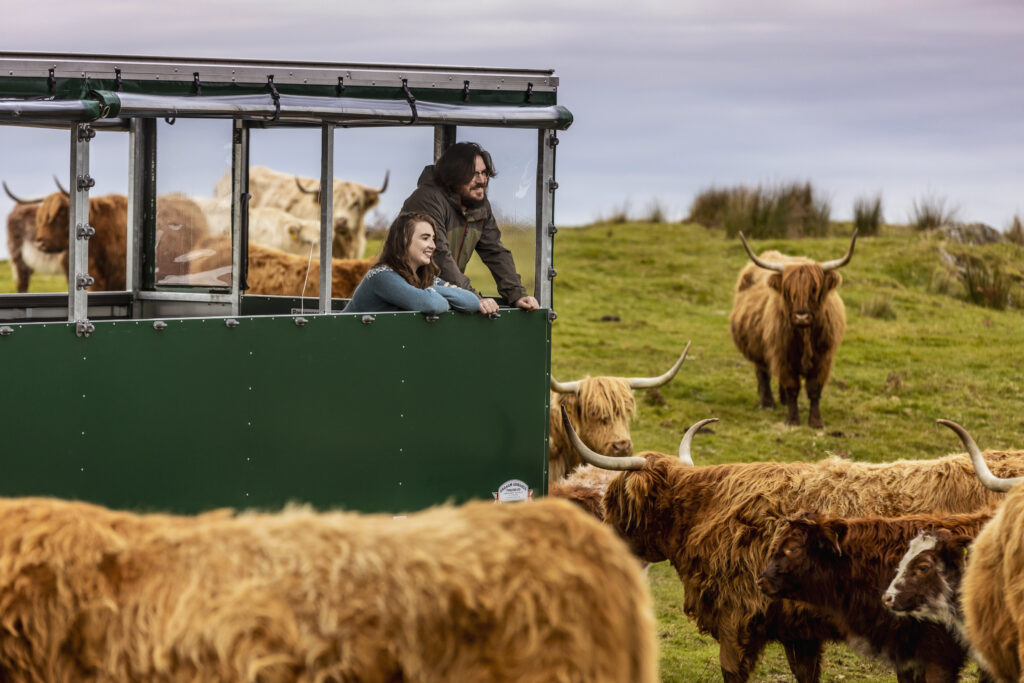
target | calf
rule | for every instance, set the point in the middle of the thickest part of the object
(842, 566)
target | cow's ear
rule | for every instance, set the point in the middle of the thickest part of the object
(833, 533)
(775, 281)
(832, 280)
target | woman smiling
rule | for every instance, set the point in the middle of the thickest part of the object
(405, 277)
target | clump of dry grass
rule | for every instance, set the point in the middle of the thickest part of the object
(867, 215)
(787, 210)
(931, 212)
(1015, 233)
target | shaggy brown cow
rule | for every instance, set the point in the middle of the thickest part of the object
(267, 225)
(301, 198)
(180, 227)
(529, 592)
(21, 236)
(274, 272)
(109, 216)
(788, 320)
(715, 524)
(601, 407)
(842, 566)
(993, 603)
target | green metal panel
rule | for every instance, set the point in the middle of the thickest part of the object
(394, 415)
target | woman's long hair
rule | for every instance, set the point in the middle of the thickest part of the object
(396, 248)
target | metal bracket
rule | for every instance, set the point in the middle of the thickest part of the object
(84, 328)
(300, 321)
(169, 120)
(118, 84)
(368, 319)
(51, 82)
(159, 325)
(86, 133)
(85, 181)
(83, 281)
(6, 331)
(552, 229)
(230, 322)
(84, 232)
(552, 273)
(552, 141)
(276, 97)
(552, 316)
(340, 88)
(465, 91)
(196, 85)
(494, 316)
(411, 100)
(552, 185)
(431, 318)
(529, 93)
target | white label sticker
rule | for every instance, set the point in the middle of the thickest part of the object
(513, 490)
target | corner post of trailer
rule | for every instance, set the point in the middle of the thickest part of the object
(78, 229)
(141, 206)
(326, 215)
(239, 208)
(546, 185)
(444, 137)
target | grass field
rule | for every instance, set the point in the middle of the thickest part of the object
(913, 352)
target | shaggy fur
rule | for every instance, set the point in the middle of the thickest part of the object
(180, 227)
(274, 272)
(716, 524)
(269, 226)
(765, 307)
(278, 190)
(109, 216)
(25, 256)
(993, 591)
(530, 592)
(843, 566)
(585, 486)
(600, 411)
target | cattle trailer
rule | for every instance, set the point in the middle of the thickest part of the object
(184, 397)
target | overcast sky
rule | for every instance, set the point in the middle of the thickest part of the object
(910, 99)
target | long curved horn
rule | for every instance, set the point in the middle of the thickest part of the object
(19, 200)
(840, 262)
(59, 186)
(988, 480)
(605, 462)
(651, 382)
(564, 387)
(684, 445)
(298, 184)
(767, 265)
(387, 177)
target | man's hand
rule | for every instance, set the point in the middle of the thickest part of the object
(488, 306)
(527, 303)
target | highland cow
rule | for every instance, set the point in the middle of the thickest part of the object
(108, 215)
(601, 407)
(842, 567)
(716, 523)
(788, 320)
(21, 236)
(528, 592)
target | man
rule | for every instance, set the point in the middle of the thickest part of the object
(454, 193)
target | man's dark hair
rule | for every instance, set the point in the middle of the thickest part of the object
(396, 246)
(458, 164)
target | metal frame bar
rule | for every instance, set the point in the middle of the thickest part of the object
(326, 216)
(78, 213)
(239, 209)
(546, 185)
(444, 137)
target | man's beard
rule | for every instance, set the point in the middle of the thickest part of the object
(473, 203)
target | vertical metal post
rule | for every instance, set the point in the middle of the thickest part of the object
(546, 185)
(326, 215)
(78, 229)
(137, 174)
(239, 210)
(444, 137)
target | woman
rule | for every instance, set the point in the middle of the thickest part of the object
(405, 277)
